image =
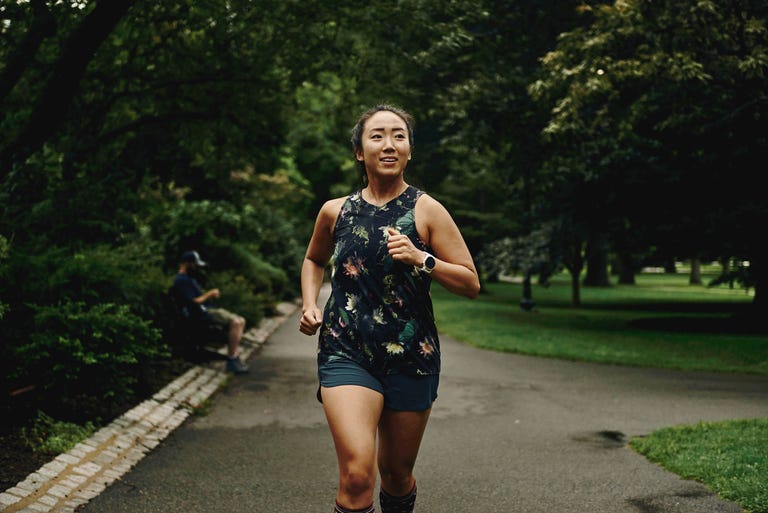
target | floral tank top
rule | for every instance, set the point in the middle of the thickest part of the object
(379, 313)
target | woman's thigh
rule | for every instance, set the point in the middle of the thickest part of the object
(353, 414)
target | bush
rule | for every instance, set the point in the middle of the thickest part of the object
(77, 352)
(61, 302)
(265, 278)
(270, 259)
(238, 296)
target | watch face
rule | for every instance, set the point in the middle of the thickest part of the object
(429, 263)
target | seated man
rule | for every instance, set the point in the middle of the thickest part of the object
(188, 290)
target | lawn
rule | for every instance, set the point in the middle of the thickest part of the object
(662, 321)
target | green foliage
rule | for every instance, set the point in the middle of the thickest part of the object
(222, 126)
(266, 279)
(205, 224)
(729, 457)
(661, 100)
(49, 436)
(532, 254)
(166, 135)
(127, 274)
(79, 326)
(238, 294)
(319, 136)
(76, 349)
(256, 242)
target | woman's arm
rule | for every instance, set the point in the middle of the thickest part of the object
(318, 254)
(454, 268)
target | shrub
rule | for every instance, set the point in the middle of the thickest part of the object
(49, 436)
(76, 351)
(238, 295)
(270, 259)
(265, 278)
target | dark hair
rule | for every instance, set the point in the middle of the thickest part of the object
(357, 131)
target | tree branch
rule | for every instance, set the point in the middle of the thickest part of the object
(42, 27)
(152, 120)
(63, 82)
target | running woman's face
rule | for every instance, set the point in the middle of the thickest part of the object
(386, 149)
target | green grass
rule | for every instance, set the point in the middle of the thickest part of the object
(662, 321)
(730, 457)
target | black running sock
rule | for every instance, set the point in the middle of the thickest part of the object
(341, 509)
(390, 504)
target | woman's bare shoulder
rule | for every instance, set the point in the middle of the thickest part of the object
(332, 206)
(330, 211)
(335, 202)
(432, 207)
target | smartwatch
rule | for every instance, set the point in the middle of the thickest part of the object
(428, 264)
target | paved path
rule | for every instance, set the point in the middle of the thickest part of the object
(508, 433)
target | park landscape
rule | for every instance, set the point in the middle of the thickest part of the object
(602, 160)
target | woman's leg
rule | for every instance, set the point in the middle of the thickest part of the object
(400, 434)
(353, 414)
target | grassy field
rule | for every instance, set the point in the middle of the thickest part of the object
(662, 321)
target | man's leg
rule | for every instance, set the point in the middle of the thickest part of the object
(235, 335)
(235, 326)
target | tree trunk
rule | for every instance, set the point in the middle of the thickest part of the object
(597, 263)
(575, 288)
(625, 262)
(725, 262)
(695, 278)
(526, 302)
(760, 275)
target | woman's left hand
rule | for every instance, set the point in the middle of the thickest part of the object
(401, 248)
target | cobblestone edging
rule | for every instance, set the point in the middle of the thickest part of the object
(77, 476)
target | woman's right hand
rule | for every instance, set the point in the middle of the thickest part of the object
(310, 321)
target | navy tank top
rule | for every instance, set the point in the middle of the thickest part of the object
(379, 313)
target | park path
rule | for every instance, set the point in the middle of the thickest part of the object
(507, 433)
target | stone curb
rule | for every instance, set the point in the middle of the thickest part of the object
(77, 476)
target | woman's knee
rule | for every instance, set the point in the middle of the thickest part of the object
(396, 480)
(358, 481)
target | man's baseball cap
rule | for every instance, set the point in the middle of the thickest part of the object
(193, 257)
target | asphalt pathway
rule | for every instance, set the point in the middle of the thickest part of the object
(507, 433)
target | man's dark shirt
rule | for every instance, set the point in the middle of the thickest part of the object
(186, 289)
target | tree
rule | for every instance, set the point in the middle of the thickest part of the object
(118, 115)
(487, 159)
(661, 101)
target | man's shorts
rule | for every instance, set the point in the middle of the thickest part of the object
(401, 392)
(222, 317)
